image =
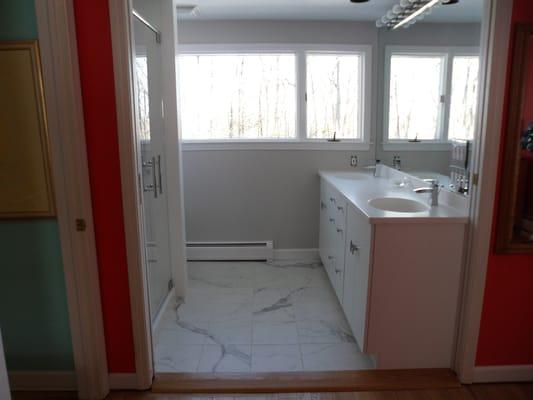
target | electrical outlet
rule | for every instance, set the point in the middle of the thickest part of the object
(353, 161)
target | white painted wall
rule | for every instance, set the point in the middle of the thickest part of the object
(259, 195)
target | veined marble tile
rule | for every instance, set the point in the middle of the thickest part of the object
(182, 332)
(275, 333)
(228, 358)
(289, 275)
(220, 274)
(318, 304)
(324, 331)
(274, 304)
(333, 357)
(179, 358)
(230, 332)
(276, 358)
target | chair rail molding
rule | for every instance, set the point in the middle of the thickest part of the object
(58, 46)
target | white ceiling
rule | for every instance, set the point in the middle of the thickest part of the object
(334, 10)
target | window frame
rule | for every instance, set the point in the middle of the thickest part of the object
(300, 142)
(442, 142)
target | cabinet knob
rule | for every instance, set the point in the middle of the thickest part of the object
(332, 220)
(340, 208)
(330, 257)
(332, 199)
(339, 230)
(322, 205)
(353, 248)
(338, 271)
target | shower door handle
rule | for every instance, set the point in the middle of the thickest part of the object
(153, 186)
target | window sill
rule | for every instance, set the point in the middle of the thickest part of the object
(419, 146)
(189, 145)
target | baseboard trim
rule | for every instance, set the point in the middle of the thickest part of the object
(288, 382)
(229, 251)
(123, 381)
(503, 373)
(43, 381)
(310, 255)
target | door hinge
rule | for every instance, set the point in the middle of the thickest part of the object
(81, 225)
(475, 179)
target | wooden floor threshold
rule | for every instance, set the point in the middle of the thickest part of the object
(292, 382)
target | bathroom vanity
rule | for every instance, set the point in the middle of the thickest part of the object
(395, 264)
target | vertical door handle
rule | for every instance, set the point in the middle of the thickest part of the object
(159, 174)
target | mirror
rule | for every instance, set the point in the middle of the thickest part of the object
(515, 217)
(407, 97)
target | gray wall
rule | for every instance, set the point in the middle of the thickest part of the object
(263, 195)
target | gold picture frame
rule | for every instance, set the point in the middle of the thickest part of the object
(26, 189)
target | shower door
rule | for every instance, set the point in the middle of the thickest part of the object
(150, 131)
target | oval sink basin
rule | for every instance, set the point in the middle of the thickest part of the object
(398, 204)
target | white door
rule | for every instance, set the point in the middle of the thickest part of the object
(150, 134)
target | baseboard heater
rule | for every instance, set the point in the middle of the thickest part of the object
(234, 251)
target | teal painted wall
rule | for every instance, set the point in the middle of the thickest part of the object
(33, 304)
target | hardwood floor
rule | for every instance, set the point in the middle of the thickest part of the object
(473, 392)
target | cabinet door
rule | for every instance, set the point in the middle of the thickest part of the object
(356, 273)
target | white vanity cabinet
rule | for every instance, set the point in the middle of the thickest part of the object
(398, 281)
(332, 241)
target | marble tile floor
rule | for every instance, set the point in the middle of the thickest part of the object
(256, 317)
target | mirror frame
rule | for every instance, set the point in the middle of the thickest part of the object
(511, 141)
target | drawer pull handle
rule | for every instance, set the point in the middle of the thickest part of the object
(353, 248)
(338, 271)
(332, 199)
(340, 208)
(331, 257)
(339, 230)
(332, 220)
(322, 205)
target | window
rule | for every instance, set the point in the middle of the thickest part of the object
(238, 96)
(285, 94)
(417, 105)
(463, 106)
(334, 96)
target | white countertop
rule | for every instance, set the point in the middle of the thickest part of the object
(360, 186)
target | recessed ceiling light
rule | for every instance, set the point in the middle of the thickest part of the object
(448, 2)
(359, 1)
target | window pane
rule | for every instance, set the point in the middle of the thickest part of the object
(334, 96)
(238, 96)
(463, 108)
(415, 90)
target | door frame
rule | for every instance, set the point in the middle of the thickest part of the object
(495, 37)
(495, 49)
(121, 34)
(64, 111)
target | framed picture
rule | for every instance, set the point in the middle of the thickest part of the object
(25, 173)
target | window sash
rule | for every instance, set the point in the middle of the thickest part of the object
(446, 82)
(300, 52)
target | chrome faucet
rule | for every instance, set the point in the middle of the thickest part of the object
(434, 189)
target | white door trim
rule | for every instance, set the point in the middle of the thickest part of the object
(121, 22)
(58, 46)
(495, 47)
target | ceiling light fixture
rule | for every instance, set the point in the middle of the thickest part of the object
(406, 13)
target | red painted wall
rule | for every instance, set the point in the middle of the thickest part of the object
(98, 92)
(506, 335)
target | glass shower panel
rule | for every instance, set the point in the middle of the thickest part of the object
(150, 138)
